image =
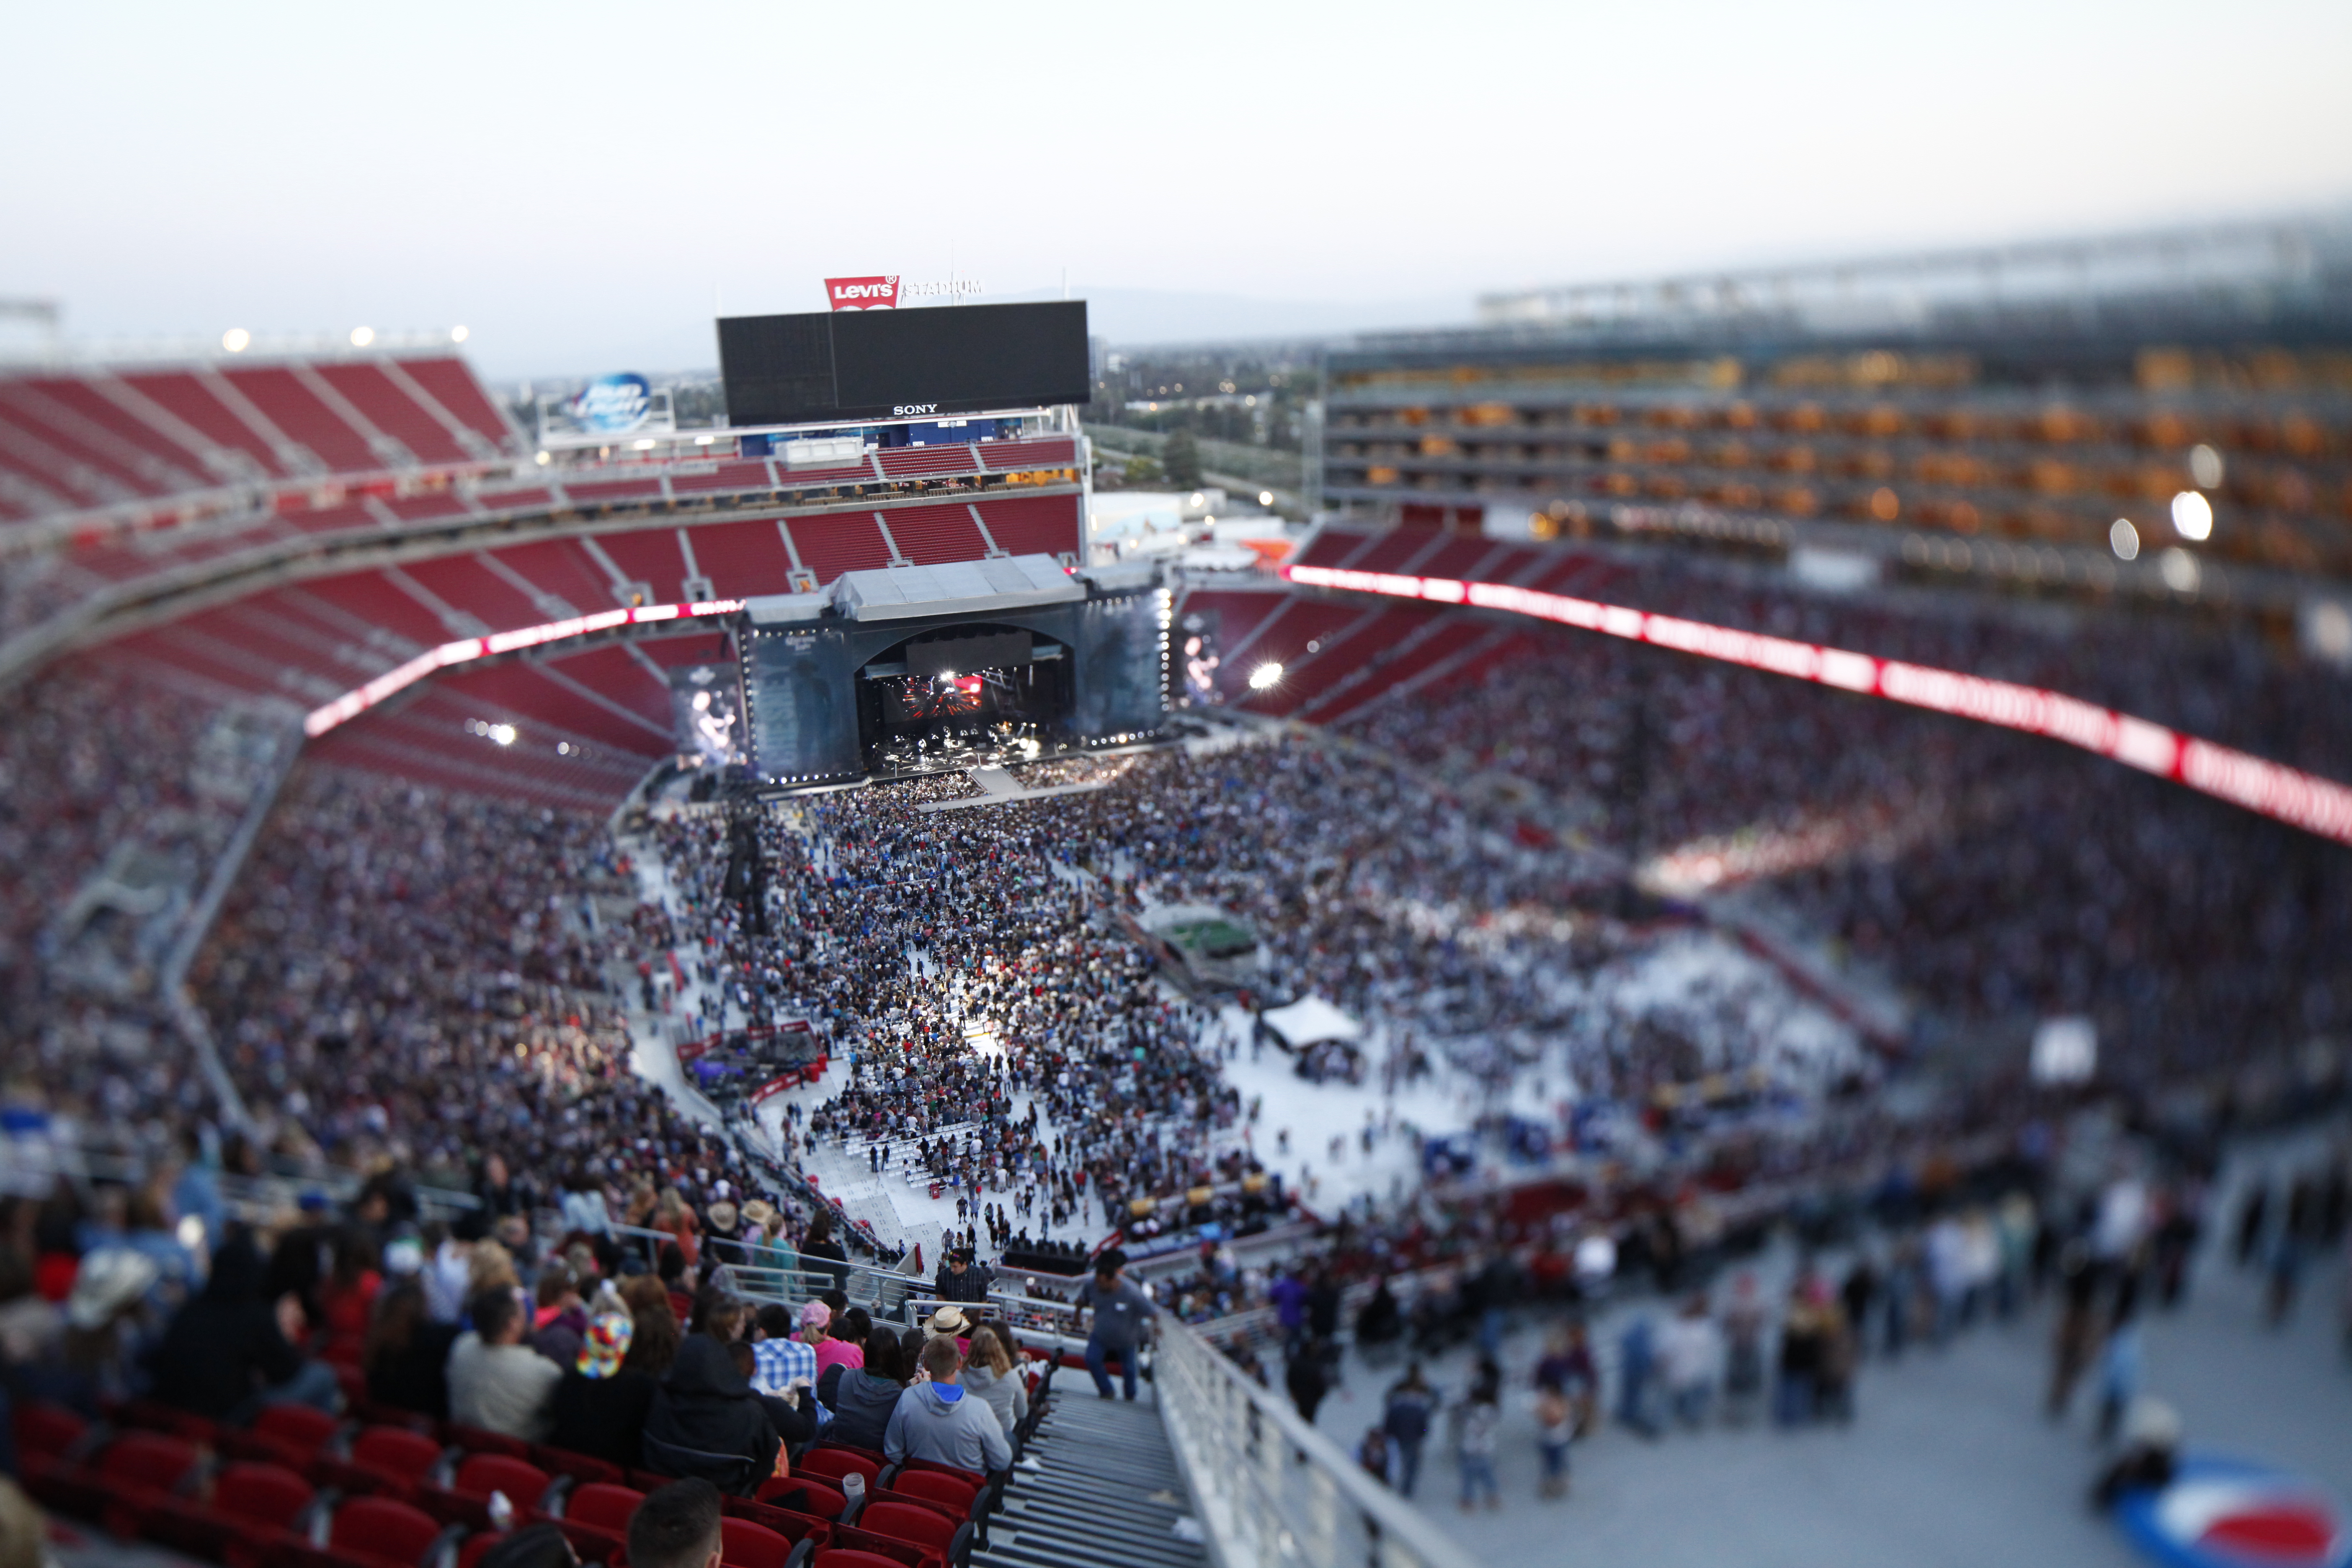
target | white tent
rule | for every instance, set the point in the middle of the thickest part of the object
(1310, 1021)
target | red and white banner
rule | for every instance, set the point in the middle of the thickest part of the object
(862, 293)
(2316, 804)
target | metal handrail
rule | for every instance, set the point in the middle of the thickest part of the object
(1269, 1488)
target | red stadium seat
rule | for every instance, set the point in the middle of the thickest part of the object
(743, 1545)
(583, 1470)
(831, 1464)
(382, 1528)
(477, 1545)
(790, 1523)
(596, 1519)
(824, 1501)
(140, 1472)
(466, 1500)
(603, 1505)
(864, 1549)
(252, 1507)
(920, 1527)
(389, 1460)
(289, 1435)
(475, 1440)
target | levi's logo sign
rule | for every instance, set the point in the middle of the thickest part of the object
(916, 408)
(862, 293)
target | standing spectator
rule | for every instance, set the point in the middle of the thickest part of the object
(495, 1382)
(1120, 1310)
(819, 1244)
(2070, 1349)
(1835, 1376)
(1800, 1358)
(1308, 1379)
(1636, 1369)
(958, 1277)
(1406, 1421)
(939, 1422)
(1690, 1358)
(1555, 1428)
(2119, 1361)
(1743, 1336)
(1476, 1419)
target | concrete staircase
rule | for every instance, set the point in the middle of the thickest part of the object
(1107, 1494)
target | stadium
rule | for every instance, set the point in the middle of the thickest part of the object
(1723, 827)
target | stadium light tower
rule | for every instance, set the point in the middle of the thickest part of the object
(1265, 675)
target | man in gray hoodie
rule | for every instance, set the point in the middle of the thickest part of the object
(939, 1421)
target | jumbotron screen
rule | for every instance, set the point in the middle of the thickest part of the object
(895, 365)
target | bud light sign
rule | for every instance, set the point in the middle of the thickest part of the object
(613, 403)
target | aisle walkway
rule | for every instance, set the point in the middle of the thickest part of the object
(1948, 1463)
(1107, 1494)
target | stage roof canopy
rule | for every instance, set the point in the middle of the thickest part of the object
(963, 587)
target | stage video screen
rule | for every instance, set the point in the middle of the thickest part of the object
(1122, 667)
(705, 702)
(883, 365)
(804, 714)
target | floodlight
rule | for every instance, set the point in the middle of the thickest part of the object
(1265, 675)
(2123, 538)
(2205, 468)
(362, 336)
(1265, 498)
(237, 340)
(459, 334)
(2192, 515)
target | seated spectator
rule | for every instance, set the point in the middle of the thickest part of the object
(407, 1354)
(495, 1382)
(348, 1297)
(862, 1398)
(677, 1526)
(228, 1352)
(938, 1421)
(816, 1332)
(791, 1413)
(705, 1421)
(562, 1318)
(949, 1323)
(992, 1374)
(781, 1360)
(600, 1407)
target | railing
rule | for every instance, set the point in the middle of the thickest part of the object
(1270, 1488)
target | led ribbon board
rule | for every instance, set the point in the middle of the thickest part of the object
(360, 698)
(2302, 800)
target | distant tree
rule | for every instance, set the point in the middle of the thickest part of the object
(1140, 470)
(1180, 460)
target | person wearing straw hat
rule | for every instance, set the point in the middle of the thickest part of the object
(949, 1323)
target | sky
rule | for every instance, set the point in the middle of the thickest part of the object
(584, 186)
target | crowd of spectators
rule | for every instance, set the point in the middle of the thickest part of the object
(1995, 878)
